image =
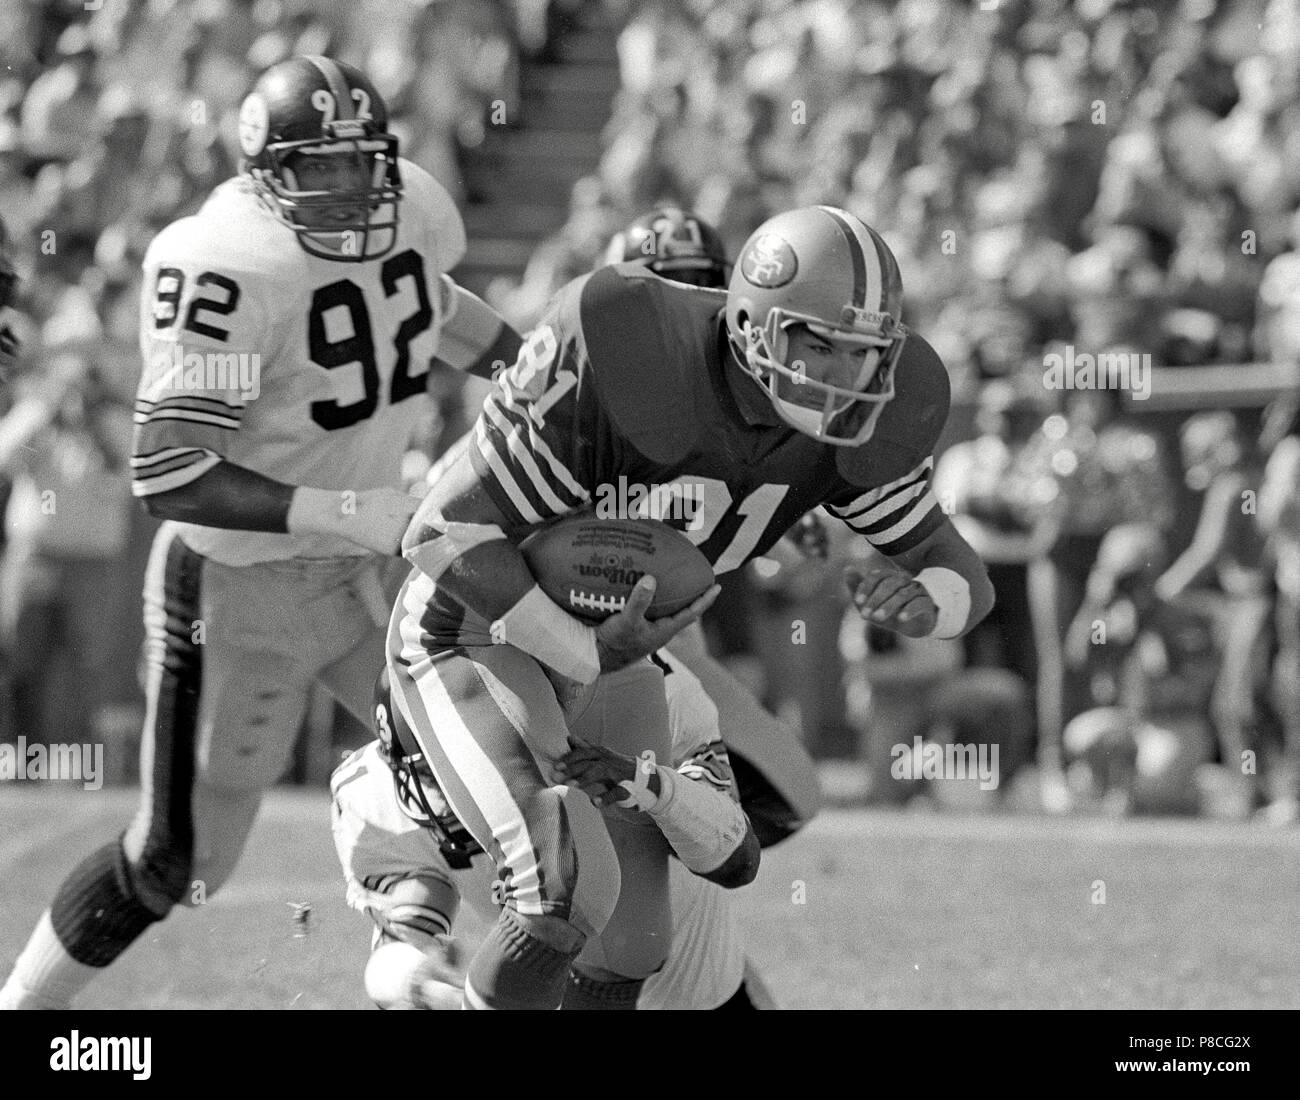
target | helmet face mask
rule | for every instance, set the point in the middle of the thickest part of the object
(316, 107)
(418, 795)
(840, 415)
(821, 268)
(410, 771)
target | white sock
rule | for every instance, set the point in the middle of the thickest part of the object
(45, 975)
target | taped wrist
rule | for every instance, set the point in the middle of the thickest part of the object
(951, 596)
(435, 556)
(543, 629)
(703, 826)
(314, 511)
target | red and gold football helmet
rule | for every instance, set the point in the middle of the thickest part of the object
(824, 268)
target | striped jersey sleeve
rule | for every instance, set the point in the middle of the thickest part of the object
(201, 332)
(531, 445)
(895, 516)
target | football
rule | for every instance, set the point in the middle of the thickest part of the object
(589, 565)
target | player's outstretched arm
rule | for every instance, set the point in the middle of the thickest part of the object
(239, 499)
(940, 590)
(475, 338)
(702, 821)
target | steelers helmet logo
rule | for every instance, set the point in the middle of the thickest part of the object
(768, 262)
(254, 125)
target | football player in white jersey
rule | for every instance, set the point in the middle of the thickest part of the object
(288, 330)
(408, 862)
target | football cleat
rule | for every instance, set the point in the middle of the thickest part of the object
(675, 244)
(823, 268)
(318, 107)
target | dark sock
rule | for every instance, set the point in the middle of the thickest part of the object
(95, 914)
(585, 994)
(513, 969)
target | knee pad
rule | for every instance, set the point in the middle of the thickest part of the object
(523, 963)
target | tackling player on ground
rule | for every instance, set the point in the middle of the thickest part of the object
(288, 331)
(408, 862)
(798, 387)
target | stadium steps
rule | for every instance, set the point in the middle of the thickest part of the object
(520, 178)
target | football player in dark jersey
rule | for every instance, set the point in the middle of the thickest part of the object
(798, 387)
(776, 778)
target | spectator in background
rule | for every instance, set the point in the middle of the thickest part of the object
(1279, 521)
(1149, 667)
(971, 483)
(58, 114)
(1278, 327)
(65, 445)
(1082, 472)
(1228, 544)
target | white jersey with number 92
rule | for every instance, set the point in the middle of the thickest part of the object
(307, 370)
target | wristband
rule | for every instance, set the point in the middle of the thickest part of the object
(951, 596)
(543, 629)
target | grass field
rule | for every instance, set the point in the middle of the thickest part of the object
(896, 910)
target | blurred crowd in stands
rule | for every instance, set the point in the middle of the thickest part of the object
(1103, 175)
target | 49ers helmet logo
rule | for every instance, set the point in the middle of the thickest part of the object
(768, 262)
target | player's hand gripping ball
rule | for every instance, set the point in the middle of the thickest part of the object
(639, 579)
(890, 598)
(589, 566)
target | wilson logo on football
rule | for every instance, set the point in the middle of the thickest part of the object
(614, 572)
(769, 262)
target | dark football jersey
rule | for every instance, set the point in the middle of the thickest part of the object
(620, 402)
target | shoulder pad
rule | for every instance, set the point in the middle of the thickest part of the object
(646, 340)
(245, 272)
(910, 426)
(231, 231)
(425, 199)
